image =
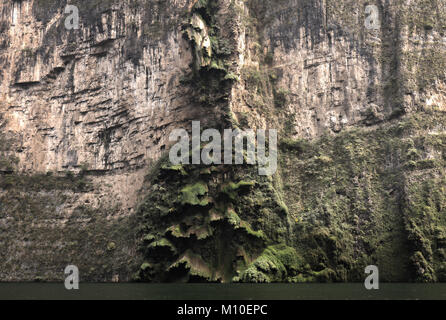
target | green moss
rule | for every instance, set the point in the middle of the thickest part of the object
(369, 188)
(200, 232)
(175, 168)
(232, 189)
(294, 145)
(111, 246)
(216, 218)
(326, 275)
(195, 266)
(233, 217)
(277, 263)
(256, 234)
(231, 76)
(425, 224)
(145, 266)
(193, 194)
(149, 238)
(163, 243)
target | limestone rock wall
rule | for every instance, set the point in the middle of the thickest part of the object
(85, 114)
(100, 99)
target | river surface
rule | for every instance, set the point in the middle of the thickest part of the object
(141, 291)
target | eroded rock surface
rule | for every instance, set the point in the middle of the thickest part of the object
(85, 115)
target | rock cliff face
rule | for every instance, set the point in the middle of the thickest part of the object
(99, 100)
(85, 117)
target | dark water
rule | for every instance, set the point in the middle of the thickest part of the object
(139, 291)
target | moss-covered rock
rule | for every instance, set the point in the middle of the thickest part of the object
(277, 263)
(357, 200)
